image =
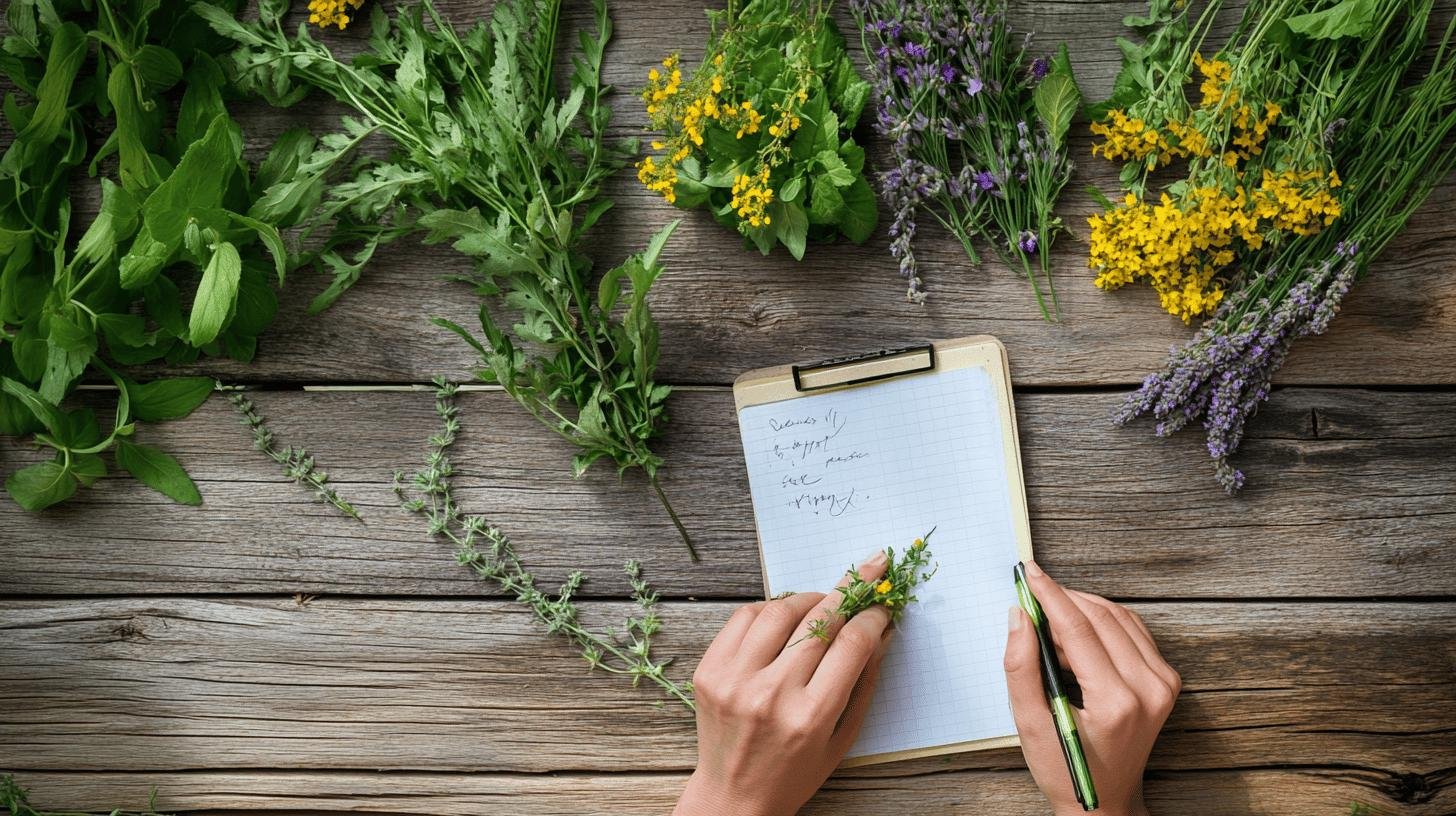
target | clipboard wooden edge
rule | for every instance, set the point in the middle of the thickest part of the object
(777, 384)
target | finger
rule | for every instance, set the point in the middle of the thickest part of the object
(800, 661)
(725, 644)
(1141, 637)
(1127, 658)
(772, 629)
(1023, 680)
(848, 654)
(858, 705)
(1085, 652)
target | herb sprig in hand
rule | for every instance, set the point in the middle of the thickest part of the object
(894, 591)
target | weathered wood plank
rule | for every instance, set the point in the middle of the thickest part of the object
(374, 684)
(724, 309)
(1312, 792)
(1114, 511)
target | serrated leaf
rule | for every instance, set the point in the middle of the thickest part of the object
(1057, 98)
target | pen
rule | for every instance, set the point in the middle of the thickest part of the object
(1051, 678)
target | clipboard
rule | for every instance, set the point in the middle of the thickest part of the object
(784, 383)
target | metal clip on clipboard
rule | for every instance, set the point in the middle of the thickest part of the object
(857, 369)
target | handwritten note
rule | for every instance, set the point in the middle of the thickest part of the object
(836, 476)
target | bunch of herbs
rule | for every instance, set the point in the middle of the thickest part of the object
(488, 156)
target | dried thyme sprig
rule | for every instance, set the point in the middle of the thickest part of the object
(298, 464)
(486, 551)
(894, 591)
(15, 801)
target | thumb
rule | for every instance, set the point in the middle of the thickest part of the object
(1023, 679)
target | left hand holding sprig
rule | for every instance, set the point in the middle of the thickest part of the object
(777, 711)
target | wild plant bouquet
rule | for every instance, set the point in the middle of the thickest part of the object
(977, 131)
(487, 156)
(172, 267)
(759, 134)
(895, 590)
(1363, 104)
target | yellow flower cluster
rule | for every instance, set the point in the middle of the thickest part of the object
(324, 13)
(1300, 202)
(751, 195)
(659, 178)
(1129, 139)
(1215, 88)
(1180, 246)
(684, 111)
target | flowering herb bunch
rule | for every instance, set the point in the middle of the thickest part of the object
(1259, 170)
(977, 131)
(894, 591)
(490, 157)
(1387, 114)
(759, 134)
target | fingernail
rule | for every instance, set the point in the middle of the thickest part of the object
(1015, 622)
(879, 559)
(1033, 569)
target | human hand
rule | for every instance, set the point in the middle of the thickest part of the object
(777, 710)
(1128, 691)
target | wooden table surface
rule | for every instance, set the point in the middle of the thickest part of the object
(1313, 618)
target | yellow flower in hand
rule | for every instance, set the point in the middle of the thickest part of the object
(883, 587)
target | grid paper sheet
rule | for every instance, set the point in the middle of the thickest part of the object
(836, 476)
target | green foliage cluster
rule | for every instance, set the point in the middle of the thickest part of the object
(489, 156)
(174, 266)
(895, 590)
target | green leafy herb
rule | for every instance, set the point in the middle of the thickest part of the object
(74, 300)
(487, 552)
(894, 591)
(489, 157)
(759, 135)
(298, 464)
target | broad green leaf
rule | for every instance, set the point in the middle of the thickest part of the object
(216, 294)
(134, 131)
(68, 50)
(791, 189)
(1349, 18)
(49, 415)
(826, 202)
(158, 470)
(835, 170)
(291, 149)
(69, 347)
(1057, 99)
(860, 212)
(162, 400)
(271, 239)
(202, 101)
(659, 240)
(115, 223)
(158, 67)
(87, 468)
(791, 226)
(41, 485)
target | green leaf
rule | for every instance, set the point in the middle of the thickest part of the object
(115, 223)
(163, 400)
(791, 226)
(216, 294)
(658, 242)
(87, 468)
(41, 485)
(791, 189)
(135, 129)
(69, 347)
(68, 50)
(158, 470)
(158, 67)
(826, 204)
(861, 212)
(1057, 98)
(1349, 18)
(271, 239)
(202, 101)
(835, 170)
(49, 415)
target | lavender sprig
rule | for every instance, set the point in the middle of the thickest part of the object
(969, 141)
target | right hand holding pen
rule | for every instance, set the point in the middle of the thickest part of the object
(1128, 691)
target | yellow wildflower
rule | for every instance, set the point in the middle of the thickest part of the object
(324, 13)
(751, 197)
(883, 587)
(919, 543)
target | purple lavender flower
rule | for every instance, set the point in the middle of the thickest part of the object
(916, 51)
(1026, 242)
(1039, 67)
(985, 180)
(1222, 375)
(974, 86)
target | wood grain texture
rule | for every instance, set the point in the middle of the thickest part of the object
(724, 309)
(1115, 511)
(373, 684)
(963, 792)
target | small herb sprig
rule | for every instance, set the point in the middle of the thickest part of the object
(16, 801)
(894, 591)
(298, 464)
(486, 551)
